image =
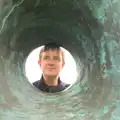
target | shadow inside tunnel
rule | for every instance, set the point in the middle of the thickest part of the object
(69, 23)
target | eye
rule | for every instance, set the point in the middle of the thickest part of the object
(56, 58)
(46, 57)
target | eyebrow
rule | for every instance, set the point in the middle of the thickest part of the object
(57, 57)
(49, 56)
(46, 56)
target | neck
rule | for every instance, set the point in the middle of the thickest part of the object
(51, 81)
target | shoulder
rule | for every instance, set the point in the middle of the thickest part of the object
(65, 85)
(36, 83)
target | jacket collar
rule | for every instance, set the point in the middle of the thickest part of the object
(42, 80)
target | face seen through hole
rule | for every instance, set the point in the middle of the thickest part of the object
(51, 62)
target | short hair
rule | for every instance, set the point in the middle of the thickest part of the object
(51, 46)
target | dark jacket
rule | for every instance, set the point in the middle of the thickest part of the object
(40, 84)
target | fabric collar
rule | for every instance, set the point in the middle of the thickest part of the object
(42, 80)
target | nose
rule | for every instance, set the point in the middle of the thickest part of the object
(51, 63)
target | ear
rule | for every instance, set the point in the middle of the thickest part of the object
(63, 64)
(39, 62)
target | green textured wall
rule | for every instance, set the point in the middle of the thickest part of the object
(89, 30)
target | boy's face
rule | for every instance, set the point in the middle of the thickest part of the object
(51, 62)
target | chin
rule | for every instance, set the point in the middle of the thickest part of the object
(50, 74)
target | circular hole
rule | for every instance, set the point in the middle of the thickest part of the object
(35, 72)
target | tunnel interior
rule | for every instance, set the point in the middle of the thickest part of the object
(89, 30)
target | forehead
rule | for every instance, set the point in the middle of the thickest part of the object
(52, 52)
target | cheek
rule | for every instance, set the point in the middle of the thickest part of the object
(43, 65)
(59, 65)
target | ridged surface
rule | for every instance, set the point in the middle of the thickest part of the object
(87, 29)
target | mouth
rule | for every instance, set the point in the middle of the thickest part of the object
(50, 68)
